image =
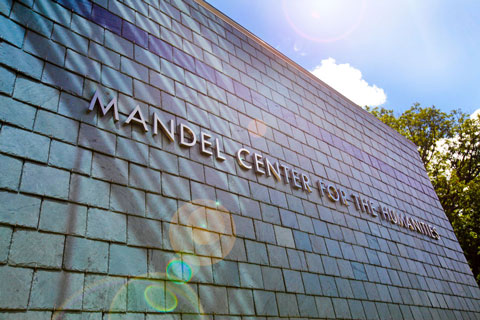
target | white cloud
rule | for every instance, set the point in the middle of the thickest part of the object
(348, 81)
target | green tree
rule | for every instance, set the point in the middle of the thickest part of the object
(449, 145)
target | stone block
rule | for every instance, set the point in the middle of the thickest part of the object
(127, 200)
(44, 48)
(106, 225)
(20, 61)
(250, 276)
(24, 144)
(132, 151)
(63, 79)
(68, 157)
(127, 261)
(329, 287)
(175, 187)
(341, 308)
(278, 256)
(240, 301)
(117, 43)
(289, 219)
(27, 315)
(104, 55)
(284, 237)
(46, 294)
(9, 30)
(144, 232)
(53, 11)
(314, 263)
(93, 138)
(14, 287)
(89, 191)
(146, 93)
(134, 34)
(226, 273)
(106, 19)
(83, 65)
(161, 208)
(69, 38)
(163, 161)
(287, 305)
(117, 80)
(104, 293)
(43, 180)
(17, 209)
(144, 178)
(56, 126)
(330, 266)
(36, 93)
(110, 169)
(293, 281)
(302, 240)
(265, 303)
(62, 217)
(214, 299)
(272, 278)
(5, 237)
(86, 255)
(264, 232)
(256, 252)
(250, 208)
(325, 307)
(25, 16)
(312, 284)
(8, 77)
(87, 28)
(35, 249)
(11, 169)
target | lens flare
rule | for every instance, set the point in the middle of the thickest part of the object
(179, 271)
(160, 298)
(205, 228)
(324, 21)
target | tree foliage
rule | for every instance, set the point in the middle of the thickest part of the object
(449, 145)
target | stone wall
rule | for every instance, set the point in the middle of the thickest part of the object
(127, 219)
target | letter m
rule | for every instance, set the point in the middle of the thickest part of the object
(104, 109)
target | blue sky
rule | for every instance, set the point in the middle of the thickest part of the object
(376, 52)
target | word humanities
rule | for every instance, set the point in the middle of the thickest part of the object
(210, 146)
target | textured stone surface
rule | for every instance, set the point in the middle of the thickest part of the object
(95, 214)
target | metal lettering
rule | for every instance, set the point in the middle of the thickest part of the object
(306, 183)
(272, 170)
(218, 152)
(372, 210)
(343, 197)
(258, 163)
(204, 143)
(321, 187)
(295, 179)
(170, 134)
(240, 160)
(330, 195)
(365, 205)
(356, 201)
(385, 215)
(434, 232)
(285, 173)
(139, 120)
(183, 141)
(104, 109)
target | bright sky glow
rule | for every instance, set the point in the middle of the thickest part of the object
(415, 51)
